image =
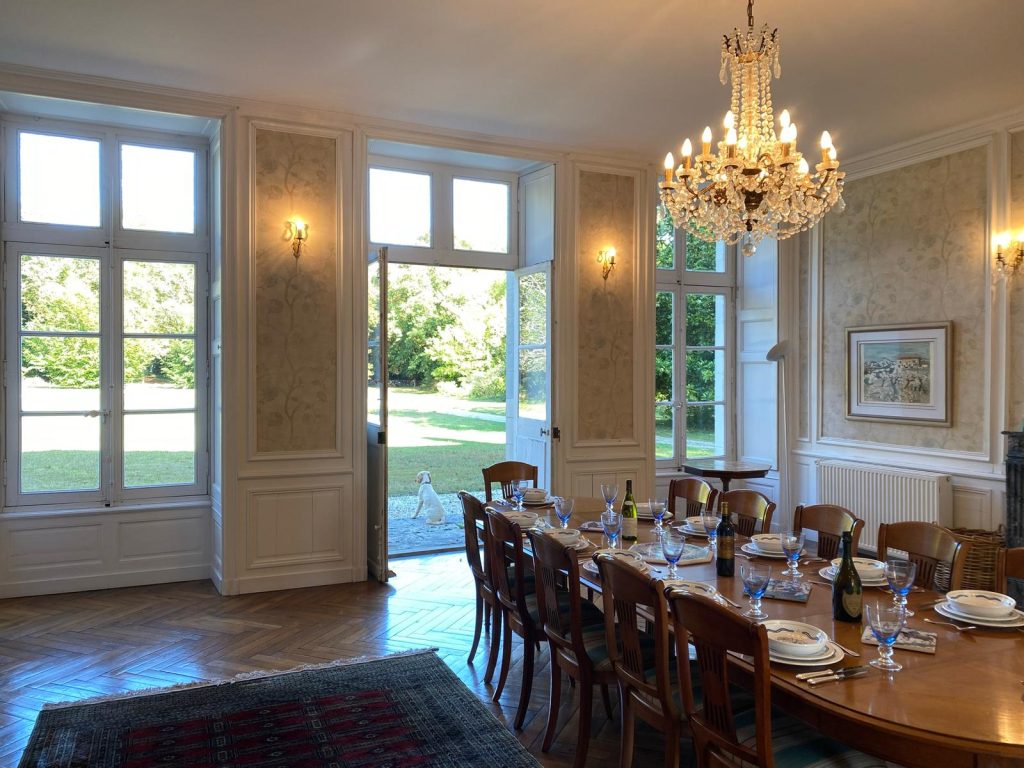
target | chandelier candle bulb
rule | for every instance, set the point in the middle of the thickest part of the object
(705, 141)
(669, 165)
(687, 152)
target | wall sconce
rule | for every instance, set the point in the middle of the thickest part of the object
(606, 258)
(1003, 246)
(298, 232)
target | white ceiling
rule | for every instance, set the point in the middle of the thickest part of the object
(625, 75)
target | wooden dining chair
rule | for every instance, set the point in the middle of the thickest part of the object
(726, 730)
(488, 610)
(576, 636)
(939, 556)
(1009, 565)
(829, 521)
(643, 662)
(506, 474)
(697, 495)
(514, 586)
(751, 510)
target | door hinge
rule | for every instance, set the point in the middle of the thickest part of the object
(556, 433)
(382, 438)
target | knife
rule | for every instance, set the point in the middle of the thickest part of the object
(842, 674)
(827, 672)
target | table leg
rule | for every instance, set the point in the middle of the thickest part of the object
(725, 484)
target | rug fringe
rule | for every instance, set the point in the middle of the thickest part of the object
(241, 676)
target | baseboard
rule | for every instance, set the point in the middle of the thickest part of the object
(274, 582)
(104, 581)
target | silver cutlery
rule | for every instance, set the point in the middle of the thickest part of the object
(730, 602)
(844, 649)
(827, 672)
(841, 675)
(957, 627)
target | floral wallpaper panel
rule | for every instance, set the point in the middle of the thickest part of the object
(296, 298)
(910, 248)
(1016, 292)
(606, 334)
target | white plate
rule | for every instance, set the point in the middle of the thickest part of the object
(750, 549)
(866, 567)
(1017, 620)
(686, 530)
(978, 602)
(831, 658)
(772, 542)
(541, 503)
(632, 558)
(797, 644)
(524, 519)
(698, 587)
(829, 573)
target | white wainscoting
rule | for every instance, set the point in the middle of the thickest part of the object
(46, 552)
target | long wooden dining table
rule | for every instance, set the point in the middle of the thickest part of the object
(961, 706)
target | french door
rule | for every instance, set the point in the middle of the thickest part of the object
(377, 415)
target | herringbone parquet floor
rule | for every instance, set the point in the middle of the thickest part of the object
(74, 646)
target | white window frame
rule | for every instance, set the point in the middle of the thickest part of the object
(112, 245)
(680, 281)
(441, 250)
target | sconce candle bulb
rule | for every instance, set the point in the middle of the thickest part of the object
(606, 258)
(1002, 243)
(298, 230)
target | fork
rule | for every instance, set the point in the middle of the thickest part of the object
(957, 627)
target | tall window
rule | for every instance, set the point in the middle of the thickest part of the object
(693, 372)
(105, 254)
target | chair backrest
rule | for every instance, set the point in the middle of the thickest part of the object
(507, 473)
(557, 569)
(939, 556)
(474, 521)
(714, 630)
(624, 590)
(1009, 565)
(697, 494)
(505, 549)
(830, 521)
(751, 510)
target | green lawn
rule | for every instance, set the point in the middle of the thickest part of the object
(77, 470)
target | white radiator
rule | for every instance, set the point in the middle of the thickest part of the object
(879, 494)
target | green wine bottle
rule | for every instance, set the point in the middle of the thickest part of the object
(847, 593)
(628, 514)
(726, 562)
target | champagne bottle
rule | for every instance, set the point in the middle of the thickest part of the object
(628, 514)
(847, 593)
(726, 564)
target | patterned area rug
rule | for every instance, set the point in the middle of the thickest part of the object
(407, 710)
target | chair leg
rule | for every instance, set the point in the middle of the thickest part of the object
(527, 686)
(478, 625)
(626, 713)
(553, 703)
(586, 711)
(506, 659)
(607, 700)
(672, 748)
(492, 655)
(487, 618)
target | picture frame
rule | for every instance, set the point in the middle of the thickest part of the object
(900, 373)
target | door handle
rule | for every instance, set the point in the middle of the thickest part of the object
(544, 432)
(95, 414)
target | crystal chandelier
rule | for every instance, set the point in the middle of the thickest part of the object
(758, 183)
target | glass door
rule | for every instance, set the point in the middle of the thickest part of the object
(377, 415)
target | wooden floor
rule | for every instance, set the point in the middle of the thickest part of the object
(68, 647)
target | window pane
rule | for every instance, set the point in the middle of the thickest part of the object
(60, 293)
(533, 305)
(159, 374)
(159, 449)
(60, 373)
(705, 320)
(533, 377)
(665, 240)
(663, 374)
(480, 215)
(705, 375)
(158, 189)
(664, 432)
(159, 297)
(705, 431)
(59, 180)
(60, 453)
(400, 207)
(664, 309)
(702, 256)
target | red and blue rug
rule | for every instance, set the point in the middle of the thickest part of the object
(408, 710)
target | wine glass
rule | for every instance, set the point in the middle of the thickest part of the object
(672, 545)
(885, 620)
(792, 546)
(755, 583)
(658, 507)
(711, 521)
(610, 492)
(611, 521)
(518, 491)
(563, 508)
(900, 575)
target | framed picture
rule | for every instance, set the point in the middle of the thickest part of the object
(900, 373)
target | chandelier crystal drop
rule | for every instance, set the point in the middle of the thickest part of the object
(758, 183)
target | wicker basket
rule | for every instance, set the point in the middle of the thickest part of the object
(980, 567)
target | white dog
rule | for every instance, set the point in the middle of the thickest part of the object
(428, 498)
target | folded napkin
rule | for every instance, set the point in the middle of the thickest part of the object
(591, 525)
(909, 640)
(787, 589)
